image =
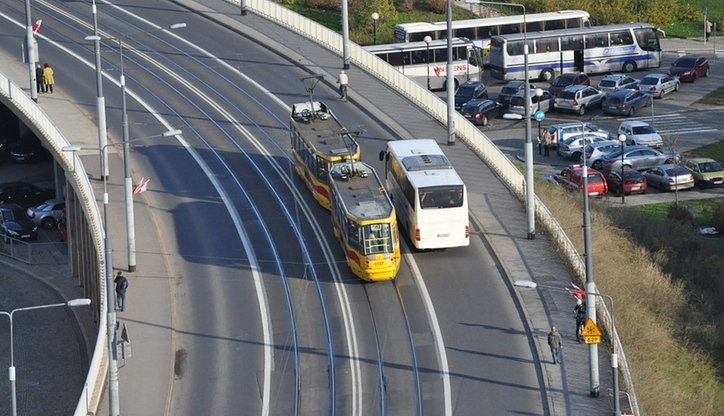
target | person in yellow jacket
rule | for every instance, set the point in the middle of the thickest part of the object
(48, 78)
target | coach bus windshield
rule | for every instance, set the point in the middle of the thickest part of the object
(441, 197)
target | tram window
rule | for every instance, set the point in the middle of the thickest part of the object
(322, 170)
(353, 234)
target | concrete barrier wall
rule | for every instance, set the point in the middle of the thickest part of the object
(13, 96)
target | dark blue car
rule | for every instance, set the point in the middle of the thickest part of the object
(626, 102)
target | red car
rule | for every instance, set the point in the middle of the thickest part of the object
(572, 178)
(689, 67)
(633, 182)
(565, 80)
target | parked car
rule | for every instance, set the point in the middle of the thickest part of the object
(707, 173)
(689, 67)
(578, 98)
(28, 149)
(615, 82)
(470, 91)
(479, 112)
(658, 85)
(625, 102)
(572, 147)
(572, 178)
(640, 133)
(510, 89)
(47, 214)
(595, 151)
(15, 224)
(669, 177)
(638, 157)
(564, 80)
(633, 182)
(24, 194)
(517, 103)
(559, 132)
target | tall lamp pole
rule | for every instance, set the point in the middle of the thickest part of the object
(538, 93)
(100, 99)
(31, 52)
(614, 338)
(128, 180)
(622, 139)
(375, 16)
(11, 369)
(450, 81)
(529, 190)
(427, 40)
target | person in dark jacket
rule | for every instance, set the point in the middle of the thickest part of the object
(121, 286)
(39, 82)
(580, 311)
(556, 344)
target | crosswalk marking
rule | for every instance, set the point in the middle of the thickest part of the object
(673, 124)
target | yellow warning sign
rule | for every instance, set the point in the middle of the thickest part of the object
(592, 340)
(591, 330)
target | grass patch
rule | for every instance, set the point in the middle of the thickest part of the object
(715, 97)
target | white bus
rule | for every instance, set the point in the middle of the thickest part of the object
(615, 48)
(429, 197)
(427, 64)
(481, 30)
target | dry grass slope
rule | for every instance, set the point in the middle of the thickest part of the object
(669, 377)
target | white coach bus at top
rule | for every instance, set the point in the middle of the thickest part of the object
(429, 197)
(599, 49)
(427, 63)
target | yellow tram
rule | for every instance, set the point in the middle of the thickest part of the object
(319, 141)
(364, 221)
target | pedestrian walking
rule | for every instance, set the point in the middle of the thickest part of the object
(48, 78)
(546, 143)
(556, 344)
(708, 29)
(580, 312)
(39, 83)
(342, 80)
(121, 286)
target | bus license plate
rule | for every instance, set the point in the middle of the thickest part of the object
(380, 263)
(443, 235)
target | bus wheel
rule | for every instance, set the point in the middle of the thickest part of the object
(629, 66)
(546, 75)
(455, 82)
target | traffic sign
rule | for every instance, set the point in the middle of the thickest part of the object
(539, 115)
(591, 330)
(592, 340)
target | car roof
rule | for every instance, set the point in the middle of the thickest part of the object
(54, 201)
(514, 83)
(570, 75)
(604, 143)
(476, 102)
(658, 76)
(12, 206)
(471, 84)
(622, 93)
(574, 88)
(701, 160)
(634, 123)
(615, 76)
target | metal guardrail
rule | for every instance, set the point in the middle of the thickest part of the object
(465, 130)
(13, 96)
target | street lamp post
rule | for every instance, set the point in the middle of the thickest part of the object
(113, 400)
(614, 356)
(130, 221)
(427, 40)
(31, 52)
(375, 16)
(11, 369)
(622, 139)
(529, 190)
(539, 93)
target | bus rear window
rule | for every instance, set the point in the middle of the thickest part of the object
(441, 197)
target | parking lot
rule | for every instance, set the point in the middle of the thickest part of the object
(683, 124)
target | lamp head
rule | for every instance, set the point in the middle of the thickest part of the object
(427, 39)
(622, 138)
(375, 16)
(538, 92)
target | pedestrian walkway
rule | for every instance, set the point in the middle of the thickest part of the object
(498, 216)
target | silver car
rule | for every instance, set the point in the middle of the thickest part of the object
(615, 82)
(572, 147)
(544, 103)
(595, 151)
(669, 177)
(658, 85)
(638, 157)
(640, 133)
(47, 215)
(578, 98)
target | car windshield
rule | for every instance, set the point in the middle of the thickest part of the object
(710, 167)
(676, 171)
(465, 91)
(643, 130)
(649, 81)
(607, 83)
(567, 95)
(685, 62)
(563, 81)
(594, 178)
(613, 100)
(42, 207)
(509, 90)
(614, 154)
